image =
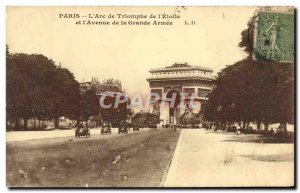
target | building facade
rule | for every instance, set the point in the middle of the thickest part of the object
(101, 87)
(182, 82)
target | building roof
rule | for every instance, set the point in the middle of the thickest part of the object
(180, 67)
(181, 72)
(180, 78)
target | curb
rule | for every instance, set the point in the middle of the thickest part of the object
(166, 170)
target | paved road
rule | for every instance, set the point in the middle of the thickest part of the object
(32, 135)
(204, 159)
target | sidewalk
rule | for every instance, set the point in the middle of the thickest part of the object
(204, 159)
(33, 135)
(30, 135)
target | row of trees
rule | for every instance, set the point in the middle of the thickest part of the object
(39, 89)
(90, 107)
(252, 91)
(145, 118)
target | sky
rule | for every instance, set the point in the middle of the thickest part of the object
(128, 52)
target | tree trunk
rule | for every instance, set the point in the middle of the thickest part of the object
(244, 124)
(25, 123)
(247, 124)
(266, 126)
(56, 123)
(258, 125)
(17, 124)
(34, 123)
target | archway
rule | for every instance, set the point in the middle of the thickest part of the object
(173, 98)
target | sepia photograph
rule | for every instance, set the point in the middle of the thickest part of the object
(150, 97)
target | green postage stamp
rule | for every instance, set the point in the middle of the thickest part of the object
(274, 37)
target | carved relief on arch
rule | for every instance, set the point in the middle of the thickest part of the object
(168, 88)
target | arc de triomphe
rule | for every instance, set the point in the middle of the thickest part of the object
(182, 80)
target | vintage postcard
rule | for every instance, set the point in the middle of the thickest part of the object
(174, 96)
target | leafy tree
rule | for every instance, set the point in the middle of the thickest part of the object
(112, 114)
(66, 95)
(185, 118)
(36, 87)
(27, 82)
(115, 115)
(90, 102)
(89, 105)
(189, 118)
(145, 118)
(139, 119)
(252, 90)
